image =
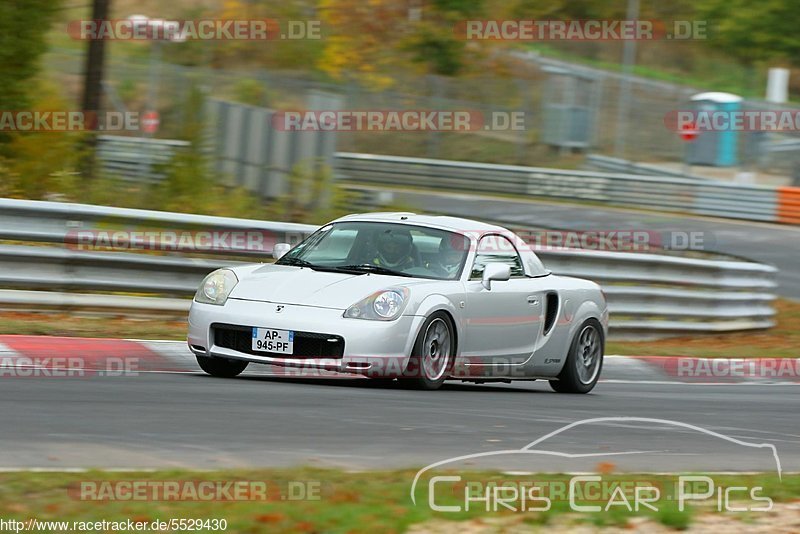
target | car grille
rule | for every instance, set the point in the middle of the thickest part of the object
(306, 344)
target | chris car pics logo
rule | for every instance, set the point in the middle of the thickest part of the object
(523, 491)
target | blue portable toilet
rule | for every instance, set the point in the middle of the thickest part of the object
(715, 148)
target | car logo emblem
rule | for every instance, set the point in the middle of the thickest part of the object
(279, 309)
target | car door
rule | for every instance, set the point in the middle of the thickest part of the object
(503, 323)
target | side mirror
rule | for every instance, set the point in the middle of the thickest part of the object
(495, 271)
(280, 249)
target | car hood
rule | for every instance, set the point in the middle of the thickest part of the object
(287, 284)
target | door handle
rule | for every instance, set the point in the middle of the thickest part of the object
(533, 301)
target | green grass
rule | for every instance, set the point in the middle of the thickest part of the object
(344, 501)
(75, 325)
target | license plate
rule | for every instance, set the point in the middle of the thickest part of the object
(271, 340)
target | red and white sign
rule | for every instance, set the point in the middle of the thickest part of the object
(689, 132)
(151, 121)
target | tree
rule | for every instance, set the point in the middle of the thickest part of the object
(434, 41)
(375, 40)
(23, 26)
(754, 31)
(95, 62)
(361, 38)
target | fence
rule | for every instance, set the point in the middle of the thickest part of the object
(649, 295)
(249, 151)
(136, 158)
(646, 139)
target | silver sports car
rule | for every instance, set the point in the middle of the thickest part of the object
(412, 297)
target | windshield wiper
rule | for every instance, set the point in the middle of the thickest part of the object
(369, 268)
(297, 262)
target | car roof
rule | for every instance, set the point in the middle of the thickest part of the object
(442, 222)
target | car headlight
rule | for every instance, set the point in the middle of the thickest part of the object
(216, 287)
(381, 306)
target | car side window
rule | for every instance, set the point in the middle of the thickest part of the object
(496, 248)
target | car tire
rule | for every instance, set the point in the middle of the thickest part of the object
(221, 367)
(433, 355)
(584, 361)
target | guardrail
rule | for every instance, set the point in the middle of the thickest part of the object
(649, 295)
(789, 205)
(136, 158)
(751, 202)
(602, 163)
(646, 185)
(652, 295)
(780, 145)
(75, 224)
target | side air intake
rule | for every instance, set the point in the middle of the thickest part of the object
(550, 311)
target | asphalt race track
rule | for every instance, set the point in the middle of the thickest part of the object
(192, 420)
(768, 243)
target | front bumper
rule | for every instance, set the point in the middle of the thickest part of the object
(373, 348)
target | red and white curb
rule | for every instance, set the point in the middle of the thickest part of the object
(58, 356)
(66, 356)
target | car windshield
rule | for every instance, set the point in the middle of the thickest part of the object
(382, 248)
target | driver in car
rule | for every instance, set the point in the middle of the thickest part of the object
(394, 250)
(451, 254)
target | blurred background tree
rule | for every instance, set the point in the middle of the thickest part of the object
(754, 31)
(23, 28)
(434, 41)
(361, 39)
